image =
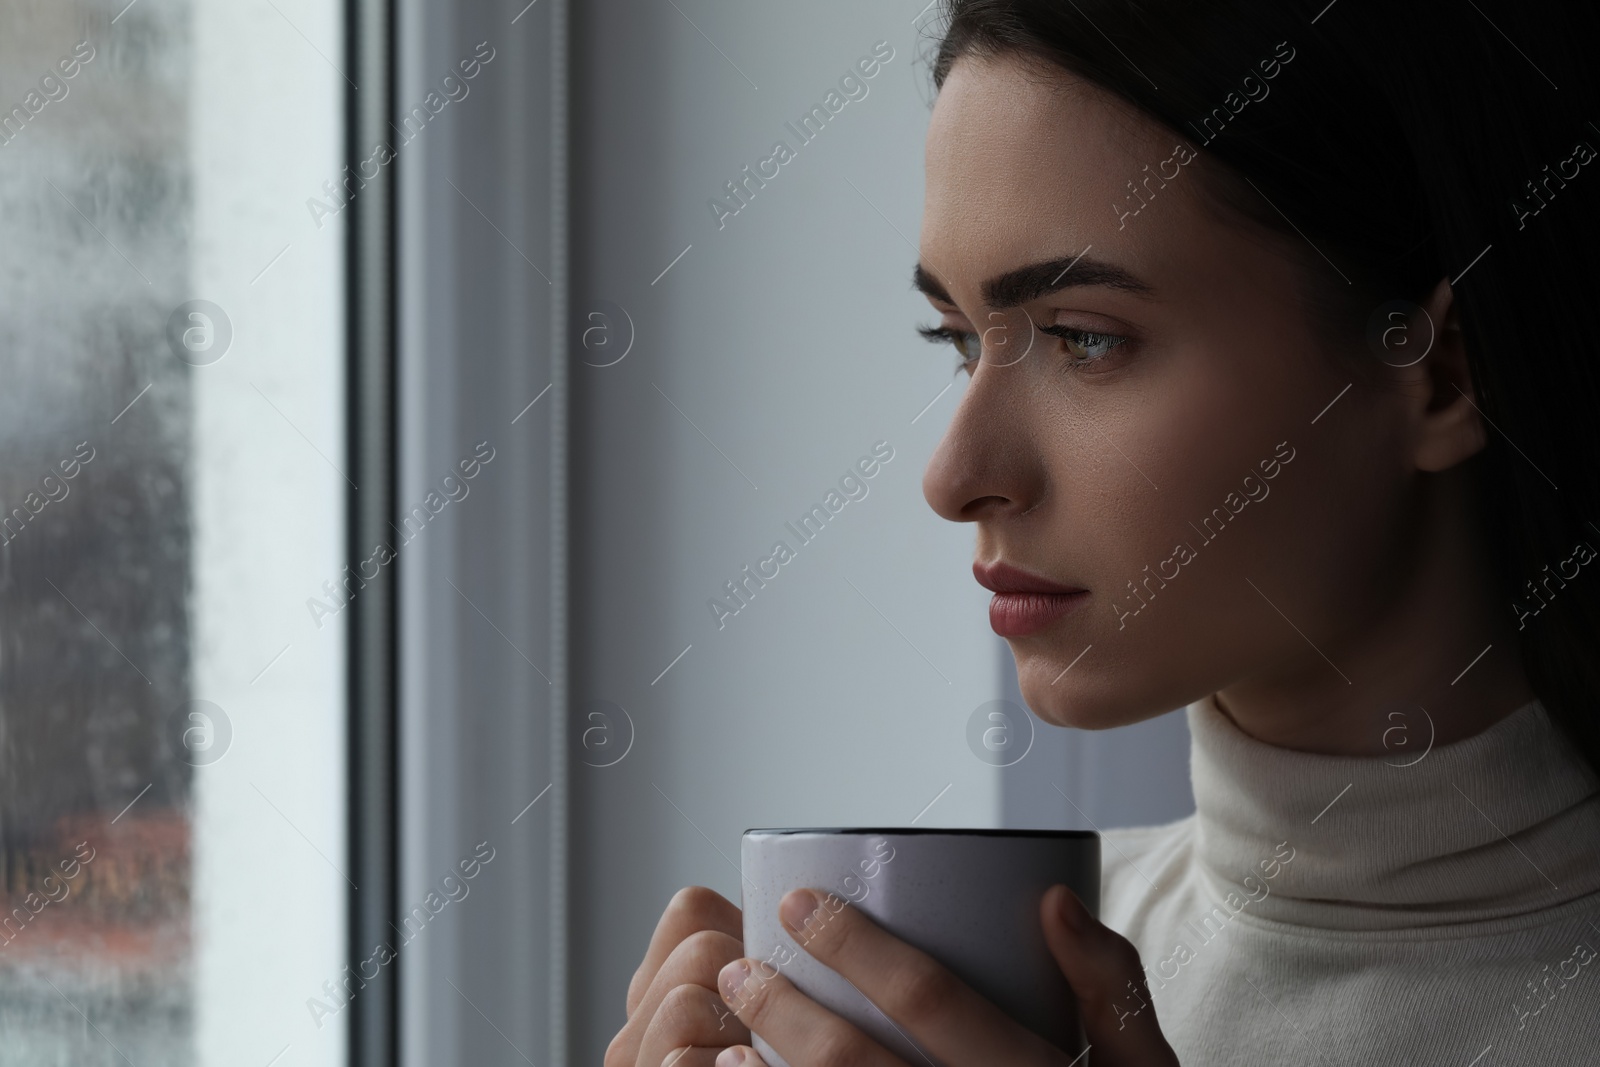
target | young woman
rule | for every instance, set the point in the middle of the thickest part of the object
(1281, 408)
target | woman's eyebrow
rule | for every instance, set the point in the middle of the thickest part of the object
(1035, 280)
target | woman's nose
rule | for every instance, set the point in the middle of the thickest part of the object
(987, 462)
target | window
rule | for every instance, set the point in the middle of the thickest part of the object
(172, 723)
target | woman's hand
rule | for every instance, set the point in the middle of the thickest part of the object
(674, 1013)
(932, 1006)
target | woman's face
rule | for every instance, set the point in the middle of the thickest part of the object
(1225, 521)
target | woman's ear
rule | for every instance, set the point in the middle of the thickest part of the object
(1447, 426)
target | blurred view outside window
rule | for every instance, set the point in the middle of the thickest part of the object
(172, 838)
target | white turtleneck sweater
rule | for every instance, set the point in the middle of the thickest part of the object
(1320, 910)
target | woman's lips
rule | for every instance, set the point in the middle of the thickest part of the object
(1017, 614)
(1023, 601)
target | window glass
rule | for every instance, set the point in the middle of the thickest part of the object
(172, 841)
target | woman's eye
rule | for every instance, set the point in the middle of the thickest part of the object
(967, 344)
(1084, 346)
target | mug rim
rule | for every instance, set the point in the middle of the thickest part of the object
(953, 831)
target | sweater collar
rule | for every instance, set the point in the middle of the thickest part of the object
(1494, 825)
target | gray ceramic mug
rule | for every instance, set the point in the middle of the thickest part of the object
(968, 898)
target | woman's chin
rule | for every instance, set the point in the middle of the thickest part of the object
(1083, 703)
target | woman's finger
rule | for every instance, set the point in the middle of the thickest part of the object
(1103, 969)
(804, 1032)
(693, 1056)
(933, 1006)
(740, 1056)
(694, 964)
(691, 908)
(690, 1016)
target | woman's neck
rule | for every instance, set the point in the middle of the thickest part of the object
(1432, 645)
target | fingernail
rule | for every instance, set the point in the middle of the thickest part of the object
(732, 977)
(1073, 913)
(796, 908)
(731, 1056)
